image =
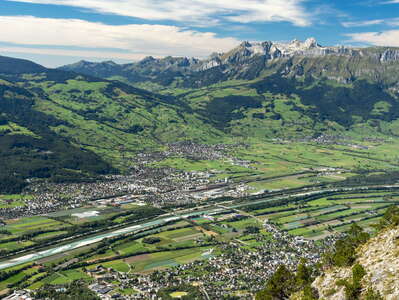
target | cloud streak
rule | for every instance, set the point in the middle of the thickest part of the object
(384, 38)
(389, 22)
(200, 12)
(124, 41)
(362, 23)
(90, 54)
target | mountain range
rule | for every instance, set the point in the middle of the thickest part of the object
(88, 119)
(251, 60)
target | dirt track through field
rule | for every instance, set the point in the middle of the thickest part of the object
(207, 232)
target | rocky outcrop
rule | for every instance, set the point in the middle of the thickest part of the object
(271, 50)
(390, 55)
(327, 284)
(380, 259)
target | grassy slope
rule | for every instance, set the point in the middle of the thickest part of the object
(107, 118)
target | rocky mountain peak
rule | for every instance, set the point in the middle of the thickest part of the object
(147, 59)
(109, 62)
(311, 43)
(296, 43)
(245, 44)
(297, 47)
(273, 50)
(390, 55)
(250, 58)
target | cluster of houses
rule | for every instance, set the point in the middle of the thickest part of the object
(19, 295)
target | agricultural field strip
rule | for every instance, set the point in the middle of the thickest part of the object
(337, 212)
(306, 214)
(159, 259)
(182, 257)
(335, 224)
(322, 213)
(325, 219)
(121, 266)
(29, 233)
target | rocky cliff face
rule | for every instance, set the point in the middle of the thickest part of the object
(390, 55)
(308, 48)
(380, 259)
(271, 50)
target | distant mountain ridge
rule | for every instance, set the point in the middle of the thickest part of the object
(254, 59)
(18, 66)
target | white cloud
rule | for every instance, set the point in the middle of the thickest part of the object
(129, 41)
(362, 23)
(75, 53)
(393, 22)
(389, 22)
(384, 38)
(204, 12)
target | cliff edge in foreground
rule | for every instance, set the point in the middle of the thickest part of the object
(380, 259)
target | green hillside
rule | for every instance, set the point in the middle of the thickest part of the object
(67, 126)
(281, 107)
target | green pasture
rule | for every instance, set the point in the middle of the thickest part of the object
(62, 277)
(367, 224)
(12, 128)
(12, 201)
(17, 277)
(179, 233)
(242, 224)
(168, 259)
(30, 224)
(117, 265)
(130, 248)
(127, 291)
(47, 235)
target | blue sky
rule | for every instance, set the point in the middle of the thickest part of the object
(57, 32)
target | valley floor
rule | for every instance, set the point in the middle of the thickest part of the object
(197, 220)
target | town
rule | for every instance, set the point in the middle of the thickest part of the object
(154, 185)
